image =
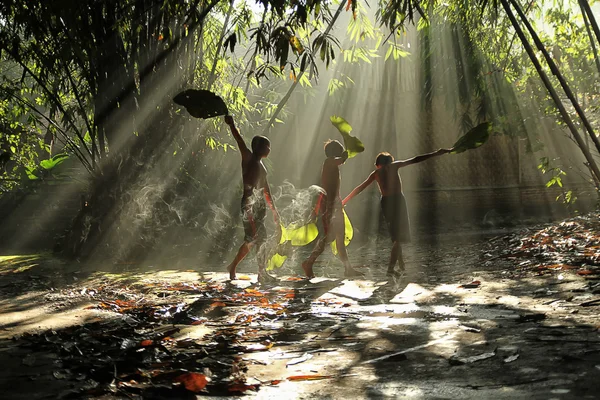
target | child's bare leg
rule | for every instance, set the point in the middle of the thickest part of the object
(343, 254)
(400, 258)
(261, 255)
(308, 263)
(241, 254)
(396, 249)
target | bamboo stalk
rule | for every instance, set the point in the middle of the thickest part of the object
(559, 75)
(586, 22)
(551, 90)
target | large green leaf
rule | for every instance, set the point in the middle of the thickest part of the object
(276, 261)
(352, 144)
(474, 138)
(348, 234)
(299, 236)
(201, 103)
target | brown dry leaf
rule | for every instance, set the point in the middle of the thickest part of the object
(254, 292)
(244, 278)
(192, 381)
(294, 278)
(296, 378)
(146, 343)
(241, 388)
(585, 272)
(243, 319)
(472, 285)
(218, 304)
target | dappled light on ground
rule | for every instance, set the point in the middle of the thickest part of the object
(491, 331)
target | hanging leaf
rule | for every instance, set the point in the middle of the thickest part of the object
(352, 144)
(296, 45)
(54, 161)
(231, 41)
(201, 103)
(473, 138)
(348, 234)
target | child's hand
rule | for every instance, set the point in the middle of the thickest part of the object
(229, 120)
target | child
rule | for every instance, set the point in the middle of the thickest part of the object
(256, 192)
(333, 216)
(393, 203)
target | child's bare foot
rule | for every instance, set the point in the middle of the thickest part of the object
(231, 270)
(350, 272)
(307, 267)
(391, 271)
(265, 277)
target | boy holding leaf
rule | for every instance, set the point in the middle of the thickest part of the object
(331, 204)
(393, 203)
(256, 194)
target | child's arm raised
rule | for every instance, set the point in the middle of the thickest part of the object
(238, 138)
(360, 188)
(340, 160)
(418, 159)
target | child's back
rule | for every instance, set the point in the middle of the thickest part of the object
(330, 179)
(388, 180)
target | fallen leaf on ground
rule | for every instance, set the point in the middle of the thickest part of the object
(146, 343)
(244, 278)
(585, 272)
(531, 317)
(511, 358)
(192, 381)
(241, 388)
(259, 347)
(298, 360)
(467, 360)
(297, 378)
(472, 285)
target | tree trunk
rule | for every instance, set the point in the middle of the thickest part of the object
(559, 76)
(551, 90)
(586, 7)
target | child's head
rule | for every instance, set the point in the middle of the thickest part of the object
(261, 146)
(333, 148)
(383, 158)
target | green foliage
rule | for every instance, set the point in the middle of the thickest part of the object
(276, 261)
(556, 173)
(352, 144)
(348, 234)
(473, 138)
(299, 236)
(54, 161)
